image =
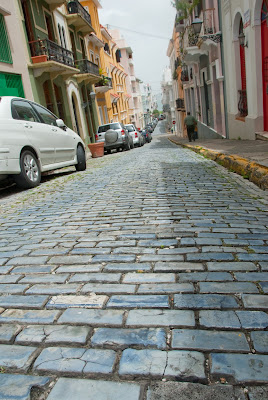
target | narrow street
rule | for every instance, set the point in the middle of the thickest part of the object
(142, 278)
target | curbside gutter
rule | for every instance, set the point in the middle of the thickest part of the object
(250, 170)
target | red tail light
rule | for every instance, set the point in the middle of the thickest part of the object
(136, 135)
(96, 137)
(123, 132)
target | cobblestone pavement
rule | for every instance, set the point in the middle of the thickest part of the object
(143, 278)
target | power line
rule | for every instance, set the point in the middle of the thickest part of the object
(137, 32)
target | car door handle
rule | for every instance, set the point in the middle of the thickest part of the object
(27, 126)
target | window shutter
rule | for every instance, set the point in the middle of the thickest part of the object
(5, 53)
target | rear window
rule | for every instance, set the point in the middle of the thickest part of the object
(130, 128)
(105, 128)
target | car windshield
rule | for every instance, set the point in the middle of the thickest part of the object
(105, 128)
(130, 128)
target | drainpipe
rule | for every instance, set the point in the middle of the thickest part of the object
(223, 71)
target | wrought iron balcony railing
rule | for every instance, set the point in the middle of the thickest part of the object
(190, 37)
(243, 103)
(74, 7)
(180, 104)
(185, 76)
(52, 51)
(87, 67)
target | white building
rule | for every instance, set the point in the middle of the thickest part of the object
(168, 100)
(245, 42)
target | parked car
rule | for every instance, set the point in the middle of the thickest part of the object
(147, 136)
(33, 140)
(136, 135)
(115, 136)
(149, 128)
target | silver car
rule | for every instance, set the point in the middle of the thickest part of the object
(136, 135)
(114, 136)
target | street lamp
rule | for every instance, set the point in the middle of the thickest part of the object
(242, 40)
(197, 25)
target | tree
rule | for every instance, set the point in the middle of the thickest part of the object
(184, 8)
(156, 113)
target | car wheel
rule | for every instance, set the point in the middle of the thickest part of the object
(30, 175)
(81, 159)
(109, 151)
(132, 146)
(127, 146)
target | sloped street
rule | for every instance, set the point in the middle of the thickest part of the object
(144, 277)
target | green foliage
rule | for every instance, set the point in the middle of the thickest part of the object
(156, 112)
(184, 8)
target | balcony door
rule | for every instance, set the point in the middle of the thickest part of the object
(28, 21)
(49, 25)
(264, 34)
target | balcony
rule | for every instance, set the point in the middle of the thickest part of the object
(89, 72)
(191, 45)
(180, 26)
(48, 56)
(103, 85)
(209, 30)
(180, 105)
(79, 17)
(243, 103)
(185, 76)
(55, 3)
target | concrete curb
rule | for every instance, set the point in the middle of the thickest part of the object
(250, 170)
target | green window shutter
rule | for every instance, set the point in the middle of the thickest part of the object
(5, 53)
(11, 85)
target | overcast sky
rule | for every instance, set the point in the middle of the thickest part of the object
(155, 17)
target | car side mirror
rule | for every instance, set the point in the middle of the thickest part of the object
(60, 123)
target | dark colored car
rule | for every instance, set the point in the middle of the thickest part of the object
(147, 135)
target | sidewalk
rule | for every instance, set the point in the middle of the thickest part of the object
(248, 158)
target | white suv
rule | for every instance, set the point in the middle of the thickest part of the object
(114, 136)
(136, 135)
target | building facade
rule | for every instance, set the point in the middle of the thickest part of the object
(14, 74)
(245, 42)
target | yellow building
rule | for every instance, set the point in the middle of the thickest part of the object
(111, 93)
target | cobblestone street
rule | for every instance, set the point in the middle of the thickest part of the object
(144, 277)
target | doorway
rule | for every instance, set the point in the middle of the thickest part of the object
(75, 116)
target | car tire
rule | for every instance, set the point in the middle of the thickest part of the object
(30, 175)
(127, 146)
(81, 159)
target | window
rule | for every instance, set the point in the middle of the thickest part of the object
(11, 85)
(101, 115)
(5, 53)
(106, 114)
(91, 56)
(63, 38)
(60, 36)
(23, 110)
(46, 116)
(97, 60)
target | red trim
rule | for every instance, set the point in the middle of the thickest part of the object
(264, 36)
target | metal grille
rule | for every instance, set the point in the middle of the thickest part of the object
(5, 53)
(11, 84)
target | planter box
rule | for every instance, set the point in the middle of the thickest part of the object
(96, 149)
(39, 59)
